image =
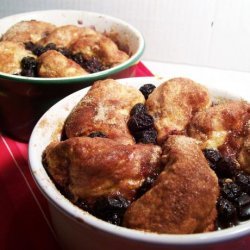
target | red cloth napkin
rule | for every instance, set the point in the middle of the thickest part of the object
(24, 216)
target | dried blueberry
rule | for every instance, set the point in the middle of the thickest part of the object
(29, 46)
(78, 58)
(97, 134)
(139, 122)
(38, 50)
(50, 46)
(212, 156)
(93, 65)
(111, 209)
(226, 167)
(227, 215)
(138, 108)
(244, 213)
(243, 200)
(29, 66)
(83, 205)
(230, 191)
(146, 185)
(66, 52)
(147, 89)
(146, 136)
(243, 181)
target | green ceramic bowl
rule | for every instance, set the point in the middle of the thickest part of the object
(24, 99)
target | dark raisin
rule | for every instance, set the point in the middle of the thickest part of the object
(83, 205)
(230, 191)
(38, 50)
(146, 136)
(227, 215)
(147, 89)
(146, 185)
(243, 200)
(50, 46)
(29, 46)
(97, 134)
(111, 209)
(244, 213)
(226, 168)
(29, 66)
(66, 52)
(78, 58)
(93, 65)
(243, 181)
(212, 156)
(139, 122)
(138, 108)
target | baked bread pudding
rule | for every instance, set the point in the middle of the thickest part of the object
(169, 159)
(40, 49)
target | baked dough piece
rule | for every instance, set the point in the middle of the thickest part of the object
(54, 64)
(173, 103)
(214, 125)
(244, 154)
(183, 199)
(94, 167)
(28, 31)
(105, 108)
(64, 36)
(11, 54)
(101, 47)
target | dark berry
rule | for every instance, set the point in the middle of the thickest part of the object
(244, 213)
(29, 46)
(29, 66)
(78, 58)
(226, 167)
(146, 185)
(65, 52)
(93, 65)
(230, 191)
(50, 46)
(97, 134)
(226, 212)
(140, 122)
(146, 136)
(147, 89)
(243, 200)
(111, 209)
(243, 181)
(83, 205)
(212, 155)
(38, 50)
(138, 108)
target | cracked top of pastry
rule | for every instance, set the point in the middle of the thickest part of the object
(64, 36)
(28, 31)
(173, 103)
(104, 108)
(183, 198)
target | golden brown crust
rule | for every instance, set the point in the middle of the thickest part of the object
(64, 36)
(183, 199)
(93, 167)
(54, 64)
(173, 103)
(101, 47)
(214, 125)
(104, 108)
(11, 54)
(28, 31)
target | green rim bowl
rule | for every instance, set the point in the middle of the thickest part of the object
(24, 99)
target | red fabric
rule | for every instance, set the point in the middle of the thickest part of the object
(24, 217)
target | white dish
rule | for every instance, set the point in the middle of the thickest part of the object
(77, 223)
